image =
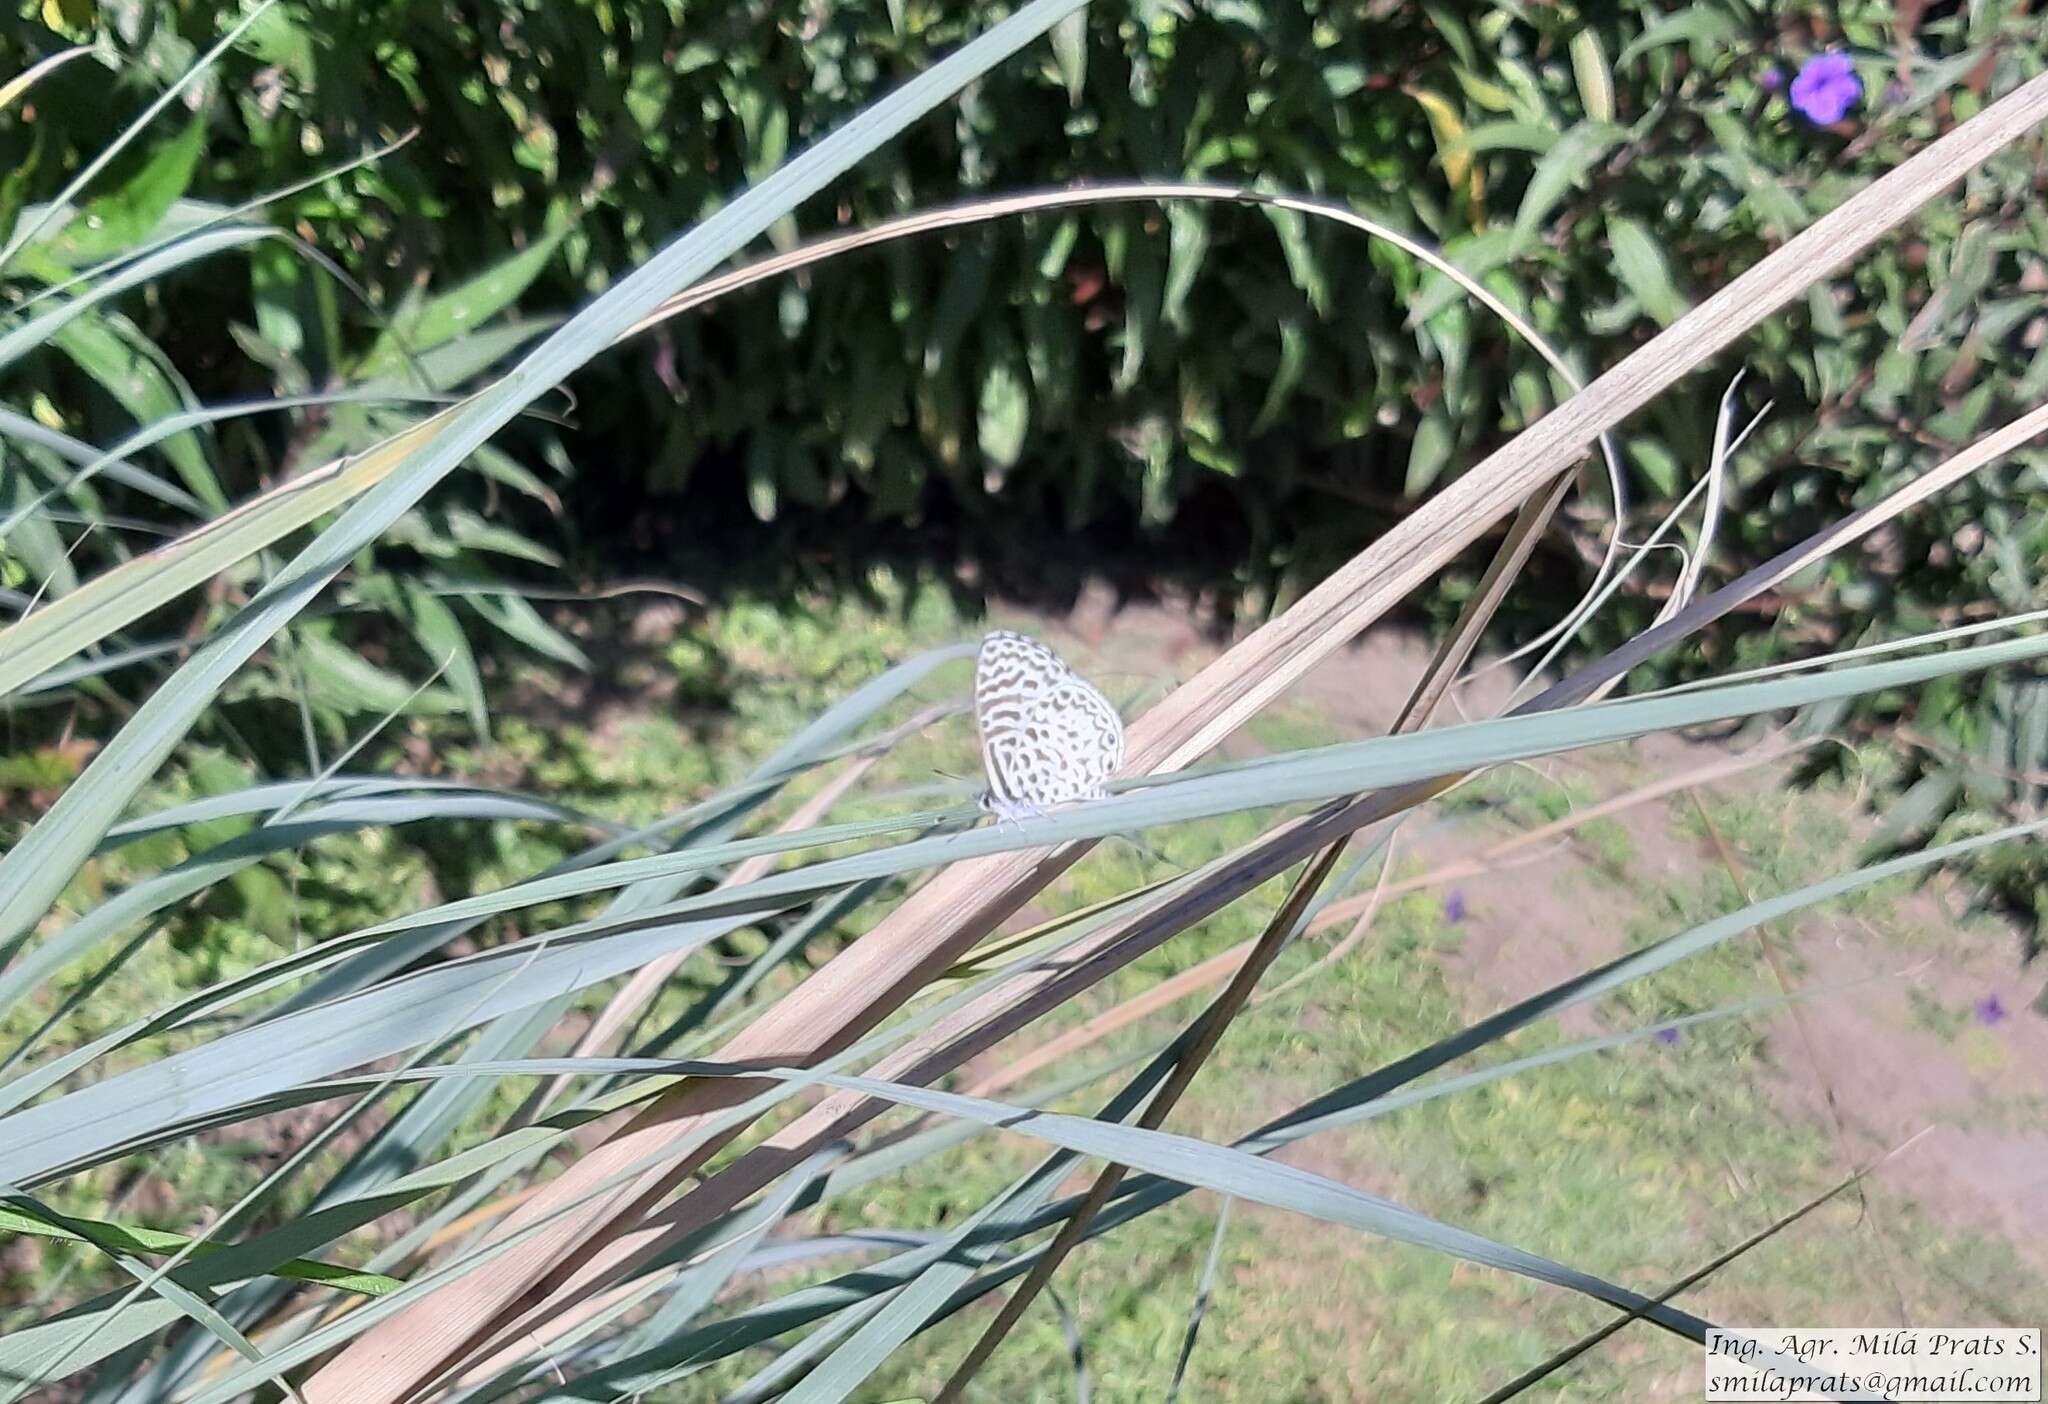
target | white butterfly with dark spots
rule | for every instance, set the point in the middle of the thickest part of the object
(1047, 736)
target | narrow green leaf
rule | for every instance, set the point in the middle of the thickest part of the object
(1003, 414)
(125, 217)
(156, 1242)
(440, 634)
(1070, 53)
(1590, 72)
(1566, 164)
(447, 317)
(1643, 269)
(1428, 452)
(1705, 27)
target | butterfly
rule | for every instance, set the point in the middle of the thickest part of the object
(1047, 736)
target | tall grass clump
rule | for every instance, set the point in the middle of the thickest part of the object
(471, 1208)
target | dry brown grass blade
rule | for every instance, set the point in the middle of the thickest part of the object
(936, 926)
(1139, 1007)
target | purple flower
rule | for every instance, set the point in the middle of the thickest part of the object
(1826, 88)
(1454, 908)
(1990, 1010)
(1773, 79)
(1667, 1035)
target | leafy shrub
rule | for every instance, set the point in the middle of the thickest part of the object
(1244, 386)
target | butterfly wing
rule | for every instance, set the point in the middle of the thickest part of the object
(1011, 675)
(1086, 734)
(1047, 736)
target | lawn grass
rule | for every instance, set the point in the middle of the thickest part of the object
(1638, 1163)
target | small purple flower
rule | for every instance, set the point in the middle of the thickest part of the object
(1667, 1035)
(1454, 908)
(1826, 88)
(1990, 1010)
(1773, 79)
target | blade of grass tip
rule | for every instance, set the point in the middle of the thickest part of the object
(1849, 655)
(321, 774)
(1640, 555)
(38, 330)
(1591, 680)
(1524, 1382)
(138, 1240)
(172, 425)
(13, 88)
(1201, 1306)
(1602, 587)
(1207, 1033)
(30, 232)
(1077, 1348)
(118, 597)
(1710, 512)
(196, 875)
(1360, 929)
(76, 998)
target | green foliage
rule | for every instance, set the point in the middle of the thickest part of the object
(1196, 374)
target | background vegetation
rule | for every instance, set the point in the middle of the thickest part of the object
(340, 216)
(1208, 396)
